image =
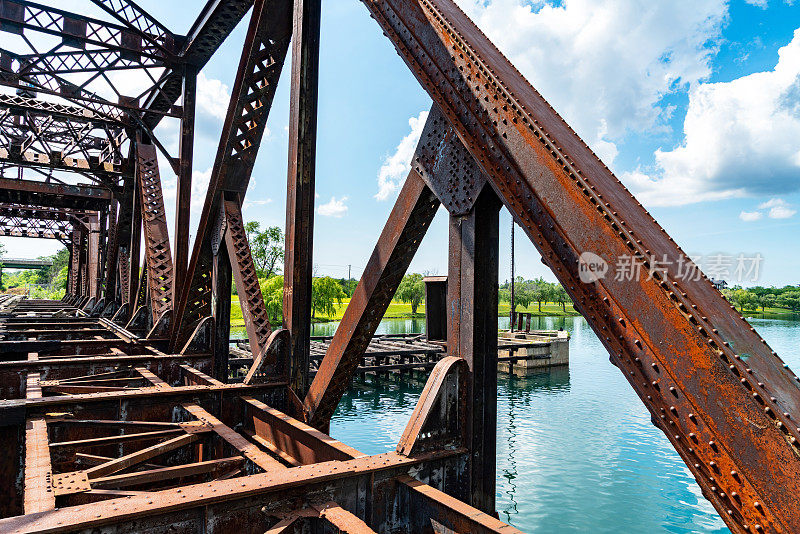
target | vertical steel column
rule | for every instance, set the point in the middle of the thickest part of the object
(135, 247)
(183, 201)
(102, 253)
(221, 310)
(472, 334)
(83, 262)
(300, 188)
(73, 274)
(112, 254)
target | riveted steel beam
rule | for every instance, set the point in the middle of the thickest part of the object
(298, 255)
(254, 311)
(410, 218)
(472, 334)
(724, 399)
(265, 48)
(160, 275)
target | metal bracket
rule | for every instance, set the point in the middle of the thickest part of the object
(70, 483)
(446, 166)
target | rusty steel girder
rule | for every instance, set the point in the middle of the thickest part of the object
(724, 399)
(410, 218)
(264, 51)
(254, 311)
(158, 257)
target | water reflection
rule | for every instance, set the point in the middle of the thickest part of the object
(576, 450)
(518, 390)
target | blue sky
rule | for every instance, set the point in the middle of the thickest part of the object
(689, 102)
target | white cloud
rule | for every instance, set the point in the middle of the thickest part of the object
(750, 216)
(200, 181)
(333, 208)
(741, 138)
(758, 3)
(781, 212)
(778, 208)
(396, 167)
(250, 203)
(605, 64)
(213, 96)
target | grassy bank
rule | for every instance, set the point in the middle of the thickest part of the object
(401, 310)
(771, 313)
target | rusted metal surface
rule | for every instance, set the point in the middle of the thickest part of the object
(183, 202)
(702, 387)
(264, 51)
(135, 428)
(300, 188)
(160, 275)
(409, 220)
(254, 311)
(472, 334)
(435, 423)
(270, 358)
(139, 423)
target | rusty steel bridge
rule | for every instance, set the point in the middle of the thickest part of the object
(117, 411)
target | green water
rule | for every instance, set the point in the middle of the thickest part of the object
(576, 451)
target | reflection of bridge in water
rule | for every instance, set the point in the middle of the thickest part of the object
(519, 390)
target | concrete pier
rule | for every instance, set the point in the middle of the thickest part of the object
(543, 348)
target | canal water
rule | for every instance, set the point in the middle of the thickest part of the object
(576, 451)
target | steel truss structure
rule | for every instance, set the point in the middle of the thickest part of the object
(120, 411)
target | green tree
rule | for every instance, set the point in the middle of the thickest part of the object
(541, 292)
(561, 296)
(266, 247)
(272, 290)
(412, 290)
(523, 295)
(767, 300)
(790, 299)
(325, 294)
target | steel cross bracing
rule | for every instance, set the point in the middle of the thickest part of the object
(120, 405)
(58, 137)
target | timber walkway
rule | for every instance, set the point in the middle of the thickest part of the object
(411, 353)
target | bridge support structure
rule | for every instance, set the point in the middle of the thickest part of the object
(119, 405)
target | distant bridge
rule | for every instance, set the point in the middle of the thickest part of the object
(24, 263)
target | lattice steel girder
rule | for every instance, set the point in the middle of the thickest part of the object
(19, 104)
(160, 275)
(136, 18)
(53, 195)
(725, 400)
(77, 31)
(254, 311)
(53, 84)
(264, 51)
(41, 134)
(211, 28)
(44, 229)
(24, 221)
(410, 218)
